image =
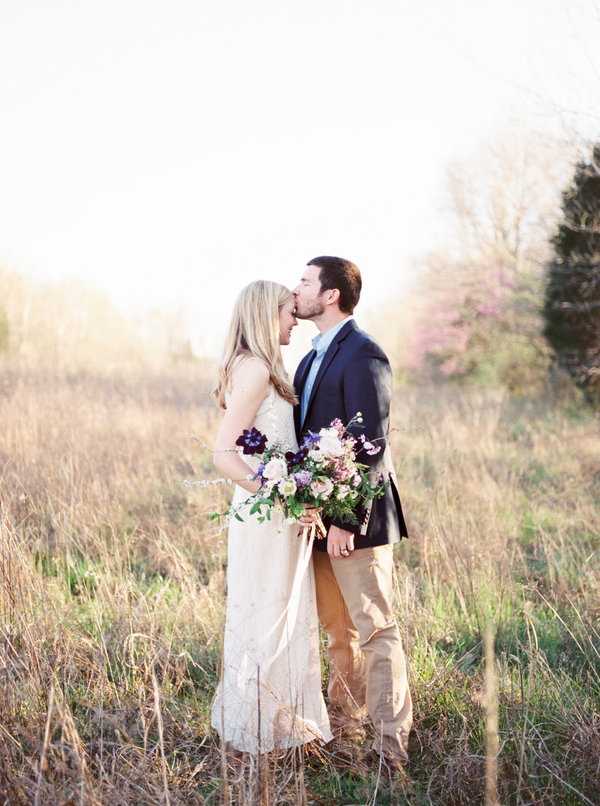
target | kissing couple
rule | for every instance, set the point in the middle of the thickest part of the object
(280, 585)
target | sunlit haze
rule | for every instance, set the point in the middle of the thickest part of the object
(171, 152)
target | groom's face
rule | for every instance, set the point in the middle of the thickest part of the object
(308, 294)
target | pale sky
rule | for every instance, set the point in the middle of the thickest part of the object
(171, 151)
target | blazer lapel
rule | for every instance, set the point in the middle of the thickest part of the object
(328, 358)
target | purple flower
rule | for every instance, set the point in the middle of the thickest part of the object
(310, 439)
(258, 474)
(302, 478)
(252, 441)
(296, 458)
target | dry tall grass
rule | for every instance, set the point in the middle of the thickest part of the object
(112, 601)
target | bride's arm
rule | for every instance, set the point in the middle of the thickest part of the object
(250, 386)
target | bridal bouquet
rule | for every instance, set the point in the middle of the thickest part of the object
(323, 473)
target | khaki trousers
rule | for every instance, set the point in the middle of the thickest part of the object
(366, 659)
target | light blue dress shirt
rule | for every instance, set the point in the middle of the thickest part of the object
(320, 343)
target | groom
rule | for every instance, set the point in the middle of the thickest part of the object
(346, 373)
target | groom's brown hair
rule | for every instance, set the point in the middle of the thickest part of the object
(336, 272)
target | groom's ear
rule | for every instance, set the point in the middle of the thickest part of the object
(332, 296)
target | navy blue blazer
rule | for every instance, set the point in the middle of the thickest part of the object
(355, 376)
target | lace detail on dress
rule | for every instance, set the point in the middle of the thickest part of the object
(270, 692)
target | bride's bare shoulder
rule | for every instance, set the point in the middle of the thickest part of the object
(250, 372)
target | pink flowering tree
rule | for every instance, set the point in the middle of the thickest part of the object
(476, 307)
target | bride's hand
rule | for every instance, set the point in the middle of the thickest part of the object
(311, 515)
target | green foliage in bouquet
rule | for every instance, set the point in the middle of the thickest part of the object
(324, 473)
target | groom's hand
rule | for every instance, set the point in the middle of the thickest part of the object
(339, 542)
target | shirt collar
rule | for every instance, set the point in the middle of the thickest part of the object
(321, 342)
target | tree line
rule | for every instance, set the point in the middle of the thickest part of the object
(512, 299)
(72, 324)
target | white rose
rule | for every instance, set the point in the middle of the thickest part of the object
(321, 487)
(287, 487)
(331, 447)
(275, 469)
(342, 492)
(316, 454)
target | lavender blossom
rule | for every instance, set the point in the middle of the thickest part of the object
(303, 478)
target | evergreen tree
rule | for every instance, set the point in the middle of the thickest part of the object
(572, 303)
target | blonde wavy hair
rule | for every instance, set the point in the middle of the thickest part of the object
(254, 332)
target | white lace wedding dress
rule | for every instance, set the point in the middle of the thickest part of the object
(270, 695)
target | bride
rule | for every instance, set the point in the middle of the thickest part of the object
(270, 695)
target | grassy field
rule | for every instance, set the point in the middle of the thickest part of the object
(112, 591)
